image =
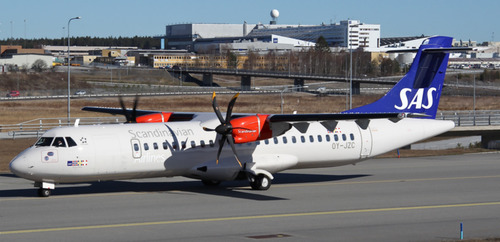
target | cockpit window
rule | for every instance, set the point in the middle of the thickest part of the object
(44, 141)
(59, 142)
(70, 141)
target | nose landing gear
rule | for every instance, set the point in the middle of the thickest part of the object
(44, 192)
(44, 188)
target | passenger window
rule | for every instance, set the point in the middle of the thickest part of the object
(311, 138)
(183, 143)
(165, 145)
(59, 142)
(275, 140)
(70, 141)
(202, 144)
(136, 147)
(193, 144)
(211, 142)
(294, 140)
(266, 141)
(174, 145)
(284, 140)
(320, 139)
(352, 136)
(336, 137)
(44, 141)
(146, 146)
(344, 138)
(302, 139)
(327, 138)
(155, 145)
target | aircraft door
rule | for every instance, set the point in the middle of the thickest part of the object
(366, 142)
(136, 148)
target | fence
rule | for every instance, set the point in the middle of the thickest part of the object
(36, 127)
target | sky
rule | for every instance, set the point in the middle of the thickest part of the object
(464, 20)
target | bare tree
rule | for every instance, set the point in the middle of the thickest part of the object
(39, 65)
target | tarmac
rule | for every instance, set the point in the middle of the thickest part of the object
(406, 199)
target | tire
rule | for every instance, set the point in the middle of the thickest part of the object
(44, 192)
(261, 182)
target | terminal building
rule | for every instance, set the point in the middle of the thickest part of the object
(346, 34)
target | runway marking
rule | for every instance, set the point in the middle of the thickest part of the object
(268, 216)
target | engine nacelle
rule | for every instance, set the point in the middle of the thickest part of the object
(154, 118)
(251, 128)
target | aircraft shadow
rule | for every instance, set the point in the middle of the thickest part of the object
(233, 189)
(293, 178)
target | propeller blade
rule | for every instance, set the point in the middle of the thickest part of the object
(134, 110)
(208, 129)
(230, 139)
(125, 112)
(230, 107)
(221, 144)
(215, 106)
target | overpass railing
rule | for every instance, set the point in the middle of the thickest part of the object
(36, 127)
(471, 118)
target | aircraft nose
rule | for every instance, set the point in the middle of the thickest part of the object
(20, 166)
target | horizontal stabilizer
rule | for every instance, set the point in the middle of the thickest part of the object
(443, 50)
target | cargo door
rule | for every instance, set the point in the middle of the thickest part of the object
(366, 142)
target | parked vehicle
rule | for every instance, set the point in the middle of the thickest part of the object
(13, 94)
(80, 92)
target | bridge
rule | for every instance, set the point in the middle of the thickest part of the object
(183, 73)
(484, 123)
(299, 79)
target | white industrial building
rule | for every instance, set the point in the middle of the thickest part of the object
(347, 33)
(262, 43)
(25, 60)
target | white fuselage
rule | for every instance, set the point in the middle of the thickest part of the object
(126, 151)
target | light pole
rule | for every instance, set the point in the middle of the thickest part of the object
(474, 102)
(350, 63)
(69, 73)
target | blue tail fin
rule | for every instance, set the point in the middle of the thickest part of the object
(420, 89)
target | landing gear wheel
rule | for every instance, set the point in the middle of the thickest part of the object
(260, 182)
(43, 192)
(210, 183)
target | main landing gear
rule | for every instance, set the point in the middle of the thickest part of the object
(260, 182)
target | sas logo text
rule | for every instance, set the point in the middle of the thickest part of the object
(417, 100)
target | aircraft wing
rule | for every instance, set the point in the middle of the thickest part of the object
(280, 123)
(174, 116)
(336, 116)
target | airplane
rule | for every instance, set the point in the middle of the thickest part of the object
(167, 144)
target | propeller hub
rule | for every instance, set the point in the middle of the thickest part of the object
(224, 129)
